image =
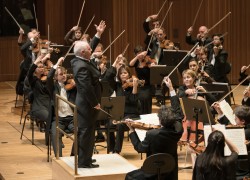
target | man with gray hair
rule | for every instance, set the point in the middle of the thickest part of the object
(88, 98)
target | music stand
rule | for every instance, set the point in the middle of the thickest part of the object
(60, 51)
(158, 72)
(217, 86)
(159, 164)
(173, 57)
(115, 107)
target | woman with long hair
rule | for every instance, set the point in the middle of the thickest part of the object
(212, 163)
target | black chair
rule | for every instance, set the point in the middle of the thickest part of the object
(160, 163)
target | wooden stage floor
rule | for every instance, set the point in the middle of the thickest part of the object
(19, 159)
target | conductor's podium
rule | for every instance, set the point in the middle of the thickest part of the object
(112, 167)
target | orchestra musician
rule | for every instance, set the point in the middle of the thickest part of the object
(162, 140)
(218, 59)
(65, 112)
(159, 44)
(243, 75)
(246, 97)
(124, 87)
(212, 163)
(73, 35)
(41, 105)
(202, 37)
(142, 67)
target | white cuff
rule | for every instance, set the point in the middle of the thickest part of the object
(172, 93)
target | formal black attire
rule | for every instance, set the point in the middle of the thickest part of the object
(243, 75)
(88, 96)
(144, 92)
(132, 109)
(162, 140)
(229, 170)
(246, 102)
(220, 65)
(192, 41)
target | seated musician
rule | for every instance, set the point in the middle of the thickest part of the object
(142, 65)
(162, 140)
(125, 86)
(202, 37)
(243, 75)
(73, 35)
(212, 163)
(246, 97)
(65, 112)
(41, 105)
(159, 44)
(242, 117)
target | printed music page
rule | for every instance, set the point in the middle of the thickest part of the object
(228, 111)
(235, 135)
(148, 119)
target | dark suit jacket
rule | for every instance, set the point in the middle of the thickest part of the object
(27, 54)
(86, 77)
(219, 71)
(163, 140)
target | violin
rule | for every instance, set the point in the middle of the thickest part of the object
(167, 44)
(138, 125)
(45, 74)
(70, 83)
(149, 61)
(129, 83)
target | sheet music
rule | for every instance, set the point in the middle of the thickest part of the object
(236, 136)
(228, 111)
(148, 119)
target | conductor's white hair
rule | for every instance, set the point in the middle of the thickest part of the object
(79, 47)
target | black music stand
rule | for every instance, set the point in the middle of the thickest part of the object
(173, 57)
(115, 107)
(60, 51)
(157, 73)
(217, 86)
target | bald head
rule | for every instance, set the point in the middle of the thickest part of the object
(82, 49)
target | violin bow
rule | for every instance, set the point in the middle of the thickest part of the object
(80, 13)
(161, 7)
(219, 21)
(126, 48)
(223, 35)
(195, 18)
(34, 7)
(151, 38)
(88, 25)
(233, 89)
(12, 17)
(113, 41)
(110, 50)
(193, 48)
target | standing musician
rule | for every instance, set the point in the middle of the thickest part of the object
(162, 140)
(159, 44)
(202, 37)
(142, 66)
(86, 76)
(153, 32)
(125, 86)
(218, 58)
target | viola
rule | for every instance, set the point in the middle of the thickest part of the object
(138, 125)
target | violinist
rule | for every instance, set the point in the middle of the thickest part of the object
(73, 35)
(142, 68)
(243, 75)
(159, 44)
(218, 59)
(246, 97)
(151, 32)
(40, 107)
(65, 112)
(202, 37)
(132, 105)
(162, 140)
